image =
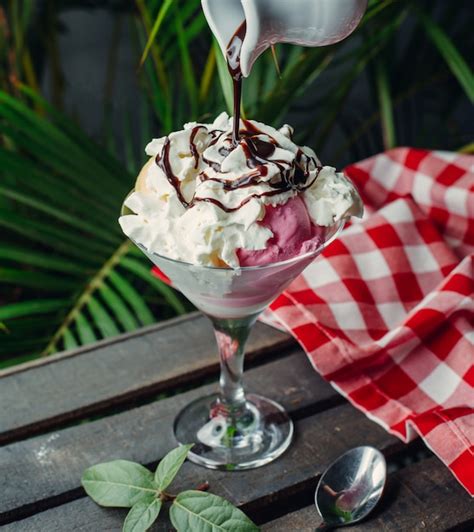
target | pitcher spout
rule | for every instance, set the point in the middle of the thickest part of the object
(268, 22)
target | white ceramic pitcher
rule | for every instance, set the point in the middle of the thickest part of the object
(303, 22)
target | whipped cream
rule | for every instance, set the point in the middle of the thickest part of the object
(199, 198)
(331, 198)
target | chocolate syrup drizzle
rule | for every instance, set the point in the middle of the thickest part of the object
(193, 147)
(164, 162)
(257, 150)
(234, 49)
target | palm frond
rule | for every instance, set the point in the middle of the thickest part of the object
(156, 26)
(60, 216)
(454, 59)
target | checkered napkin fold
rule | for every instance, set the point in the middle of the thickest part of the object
(386, 313)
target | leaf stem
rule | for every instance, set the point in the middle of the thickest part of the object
(166, 497)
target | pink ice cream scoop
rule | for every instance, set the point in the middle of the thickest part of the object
(293, 234)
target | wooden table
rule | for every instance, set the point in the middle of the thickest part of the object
(118, 398)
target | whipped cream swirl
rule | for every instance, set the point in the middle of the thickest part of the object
(200, 198)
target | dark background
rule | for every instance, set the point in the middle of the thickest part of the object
(92, 36)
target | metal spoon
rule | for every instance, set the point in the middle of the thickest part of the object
(351, 487)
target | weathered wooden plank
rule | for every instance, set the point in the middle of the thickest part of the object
(423, 496)
(48, 466)
(319, 439)
(115, 372)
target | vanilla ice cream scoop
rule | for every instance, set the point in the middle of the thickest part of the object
(203, 200)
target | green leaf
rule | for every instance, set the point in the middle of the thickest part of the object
(385, 103)
(224, 78)
(18, 360)
(42, 130)
(187, 64)
(170, 465)
(118, 308)
(43, 260)
(100, 316)
(40, 281)
(60, 197)
(102, 319)
(48, 234)
(69, 340)
(74, 131)
(195, 510)
(133, 298)
(59, 214)
(208, 75)
(156, 26)
(40, 179)
(29, 308)
(119, 483)
(144, 272)
(51, 161)
(142, 515)
(450, 53)
(85, 330)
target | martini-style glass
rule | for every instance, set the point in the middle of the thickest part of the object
(230, 429)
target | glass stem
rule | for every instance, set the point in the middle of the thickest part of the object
(231, 335)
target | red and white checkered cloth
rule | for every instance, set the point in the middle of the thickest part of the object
(386, 313)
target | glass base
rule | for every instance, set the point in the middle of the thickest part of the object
(254, 436)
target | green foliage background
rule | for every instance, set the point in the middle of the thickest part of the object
(67, 275)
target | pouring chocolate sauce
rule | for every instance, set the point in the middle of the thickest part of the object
(234, 50)
(258, 151)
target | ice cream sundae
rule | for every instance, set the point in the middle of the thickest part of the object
(232, 212)
(201, 199)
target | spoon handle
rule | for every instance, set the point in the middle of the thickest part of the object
(323, 527)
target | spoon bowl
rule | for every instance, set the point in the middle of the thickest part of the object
(351, 487)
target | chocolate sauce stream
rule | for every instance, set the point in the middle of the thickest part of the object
(257, 150)
(234, 49)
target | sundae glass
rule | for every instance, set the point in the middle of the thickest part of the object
(230, 429)
(232, 212)
(232, 224)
